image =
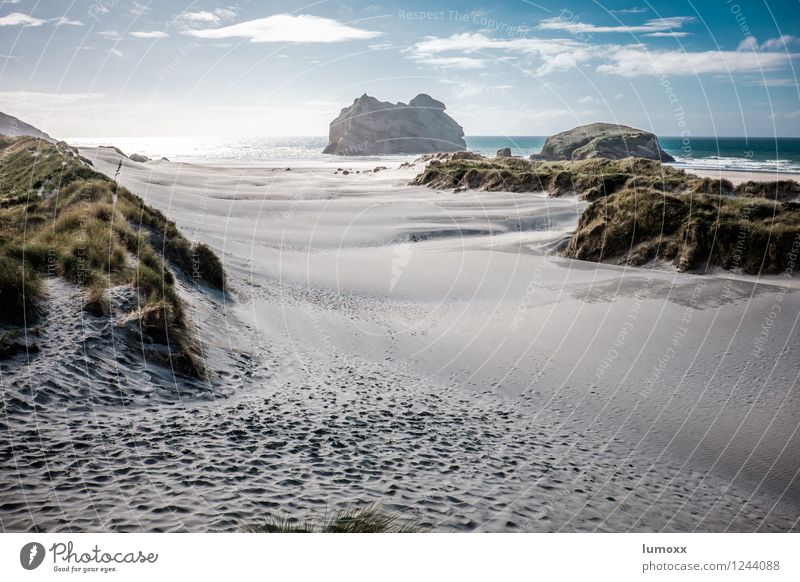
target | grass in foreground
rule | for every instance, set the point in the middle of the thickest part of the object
(59, 217)
(368, 519)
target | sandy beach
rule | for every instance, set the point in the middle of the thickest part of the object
(737, 177)
(429, 350)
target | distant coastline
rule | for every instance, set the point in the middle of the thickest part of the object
(776, 155)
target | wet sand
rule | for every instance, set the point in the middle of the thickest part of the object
(423, 349)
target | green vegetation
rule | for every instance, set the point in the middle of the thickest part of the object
(20, 290)
(589, 179)
(368, 519)
(59, 217)
(642, 210)
(692, 231)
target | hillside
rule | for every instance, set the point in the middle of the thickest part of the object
(59, 218)
(13, 127)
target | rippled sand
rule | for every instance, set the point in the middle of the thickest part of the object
(423, 349)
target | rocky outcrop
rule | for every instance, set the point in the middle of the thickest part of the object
(372, 127)
(13, 127)
(139, 158)
(503, 153)
(602, 140)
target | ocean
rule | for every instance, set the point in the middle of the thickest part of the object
(724, 153)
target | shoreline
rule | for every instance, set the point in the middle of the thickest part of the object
(739, 176)
(307, 151)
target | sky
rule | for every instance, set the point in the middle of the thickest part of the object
(104, 68)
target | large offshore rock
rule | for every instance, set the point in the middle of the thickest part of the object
(603, 140)
(372, 127)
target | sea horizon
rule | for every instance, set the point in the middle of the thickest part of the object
(744, 154)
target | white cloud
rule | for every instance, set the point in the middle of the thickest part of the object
(556, 54)
(474, 50)
(673, 34)
(216, 16)
(226, 14)
(634, 10)
(771, 44)
(587, 99)
(17, 19)
(110, 34)
(452, 62)
(149, 34)
(288, 28)
(200, 16)
(636, 61)
(778, 43)
(653, 25)
(116, 53)
(64, 21)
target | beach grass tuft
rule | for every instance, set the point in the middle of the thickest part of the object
(20, 290)
(367, 519)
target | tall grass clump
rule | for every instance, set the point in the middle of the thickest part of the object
(691, 231)
(20, 290)
(367, 519)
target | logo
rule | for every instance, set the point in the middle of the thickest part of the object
(31, 555)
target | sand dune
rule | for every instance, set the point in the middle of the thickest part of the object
(427, 349)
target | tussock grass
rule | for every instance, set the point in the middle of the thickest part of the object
(692, 231)
(589, 179)
(367, 519)
(642, 210)
(59, 217)
(20, 290)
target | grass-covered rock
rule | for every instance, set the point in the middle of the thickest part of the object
(61, 218)
(588, 179)
(643, 210)
(691, 231)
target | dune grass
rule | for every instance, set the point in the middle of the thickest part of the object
(588, 179)
(643, 210)
(20, 290)
(59, 217)
(367, 519)
(692, 231)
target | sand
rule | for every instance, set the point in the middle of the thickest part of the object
(428, 350)
(737, 177)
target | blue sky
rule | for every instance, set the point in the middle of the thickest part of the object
(247, 68)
